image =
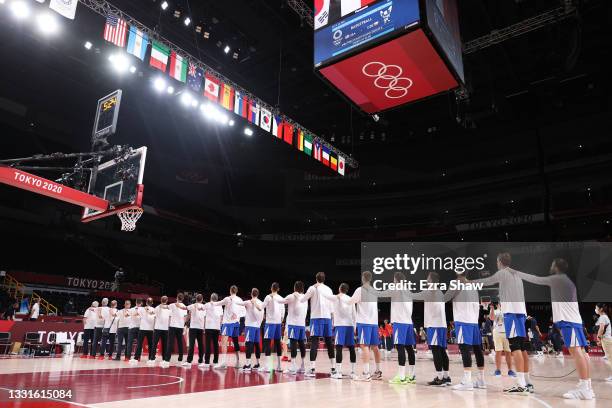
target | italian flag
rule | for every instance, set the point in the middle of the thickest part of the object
(178, 67)
(159, 56)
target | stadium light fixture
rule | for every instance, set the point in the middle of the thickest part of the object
(87, 44)
(20, 9)
(231, 122)
(248, 131)
(227, 49)
(120, 62)
(47, 23)
(187, 21)
(132, 69)
(159, 84)
(170, 89)
(186, 99)
(164, 5)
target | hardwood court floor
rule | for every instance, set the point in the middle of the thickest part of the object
(117, 384)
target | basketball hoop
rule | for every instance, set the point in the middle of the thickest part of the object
(129, 217)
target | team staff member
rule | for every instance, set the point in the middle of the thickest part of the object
(89, 325)
(102, 314)
(123, 327)
(178, 311)
(147, 322)
(212, 329)
(133, 329)
(197, 317)
(162, 322)
(112, 330)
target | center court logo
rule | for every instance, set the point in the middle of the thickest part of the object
(388, 77)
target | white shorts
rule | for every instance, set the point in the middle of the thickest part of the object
(501, 342)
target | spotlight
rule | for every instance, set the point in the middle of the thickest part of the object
(164, 5)
(87, 44)
(170, 89)
(159, 84)
(47, 23)
(248, 132)
(133, 69)
(227, 49)
(120, 62)
(186, 99)
(375, 117)
(231, 122)
(194, 103)
(20, 9)
(187, 21)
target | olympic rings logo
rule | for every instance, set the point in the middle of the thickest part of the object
(388, 77)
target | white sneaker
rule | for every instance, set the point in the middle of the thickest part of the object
(220, 366)
(367, 377)
(337, 375)
(463, 387)
(480, 384)
(302, 370)
(579, 394)
(185, 364)
(290, 371)
(150, 363)
(609, 379)
(164, 364)
(133, 361)
(203, 365)
(354, 376)
(310, 373)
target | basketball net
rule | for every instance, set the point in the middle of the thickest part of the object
(129, 217)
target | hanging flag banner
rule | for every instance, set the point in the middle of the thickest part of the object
(159, 56)
(333, 161)
(317, 150)
(227, 97)
(137, 43)
(325, 156)
(194, 77)
(253, 115)
(300, 140)
(308, 144)
(266, 120)
(288, 132)
(341, 165)
(66, 8)
(115, 30)
(178, 67)
(211, 88)
(277, 129)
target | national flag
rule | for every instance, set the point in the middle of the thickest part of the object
(325, 156)
(277, 126)
(66, 8)
(227, 97)
(317, 150)
(211, 88)
(115, 30)
(240, 104)
(178, 67)
(308, 144)
(194, 77)
(300, 140)
(341, 165)
(137, 42)
(265, 121)
(333, 161)
(253, 112)
(321, 13)
(288, 132)
(159, 56)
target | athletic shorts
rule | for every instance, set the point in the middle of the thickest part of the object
(297, 332)
(403, 333)
(367, 334)
(436, 336)
(344, 335)
(501, 342)
(514, 323)
(251, 334)
(321, 327)
(573, 334)
(272, 331)
(468, 333)
(230, 329)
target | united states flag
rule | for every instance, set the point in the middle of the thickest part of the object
(115, 30)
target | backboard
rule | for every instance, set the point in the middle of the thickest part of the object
(118, 181)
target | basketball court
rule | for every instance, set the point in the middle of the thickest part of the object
(115, 384)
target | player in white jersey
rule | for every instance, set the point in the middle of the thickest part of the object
(178, 312)
(344, 329)
(434, 319)
(567, 317)
(196, 318)
(230, 326)
(295, 326)
(365, 298)
(320, 322)
(512, 299)
(403, 331)
(123, 327)
(252, 327)
(272, 328)
(160, 332)
(466, 311)
(147, 323)
(134, 328)
(89, 326)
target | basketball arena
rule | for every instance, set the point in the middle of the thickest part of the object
(365, 203)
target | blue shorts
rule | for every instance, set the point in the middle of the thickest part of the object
(297, 332)
(403, 333)
(468, 333)
(272, 331)
(321, 327)
(251, 334)
(436, 336)
(514, 323)
(344, 335)
(230, 329)
(573, 334)
(367, 334)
